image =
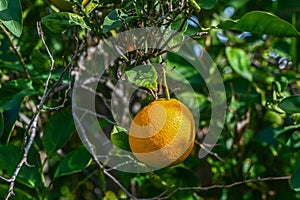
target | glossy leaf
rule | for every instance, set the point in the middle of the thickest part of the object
(114, 20)
(283, 134)
(261, 23)
(10, 117)
(290, 104)
(119, 137)
(295, 180)
(13, 92)
(11, 16)
(274, 135)
(143, 76)
(58, 131)
(62, 21)
(239, 62)
(11, 155)
(74, 162)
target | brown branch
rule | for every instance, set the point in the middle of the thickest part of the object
(32, 127)
(206, 188)
(24, 159)
(7, 33)
(209, 152)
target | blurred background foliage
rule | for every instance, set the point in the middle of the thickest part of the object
(256, 52)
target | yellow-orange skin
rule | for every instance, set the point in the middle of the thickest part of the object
(162, 133)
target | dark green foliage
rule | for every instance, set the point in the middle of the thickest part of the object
(254, 44)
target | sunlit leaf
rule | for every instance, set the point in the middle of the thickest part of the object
(119, 137)
(261, 23)
(239, 62)
(110, 195)
(143, 76)
(62, 21)
(114, 20)
(11, 16)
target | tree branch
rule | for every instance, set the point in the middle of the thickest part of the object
(206, 188)
(32, 127)
(7, 33)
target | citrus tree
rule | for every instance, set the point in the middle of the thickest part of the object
(253, 45)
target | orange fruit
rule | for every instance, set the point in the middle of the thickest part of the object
(162, 133)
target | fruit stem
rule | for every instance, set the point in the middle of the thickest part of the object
(165, 82)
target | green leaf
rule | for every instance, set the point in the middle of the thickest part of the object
(74, 162)
(295, 180)
(110, 195)
(239, 62)
(11, 66)
(176, 64)
(119, 137)
(1, 123)
(194, 5)
(13, 92)
(11, 155)
(19, 194)
(243, 90)
(88, 8)
(193, 99)
(143, 76)
(11, 16)
(39, 62)
(290, 104)
(114, 20)
(259, 22)
(178, 23)
(61, 21)
(10, 117)
(207, 4)
(57, 134)
(283, 134)
(62, 5)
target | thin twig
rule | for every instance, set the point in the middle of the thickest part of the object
(209, 152)
(206, 188)
(32, 127)
(24, 159)
(92, 150)
(7, 33)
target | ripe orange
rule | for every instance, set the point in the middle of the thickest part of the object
(162, 133)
